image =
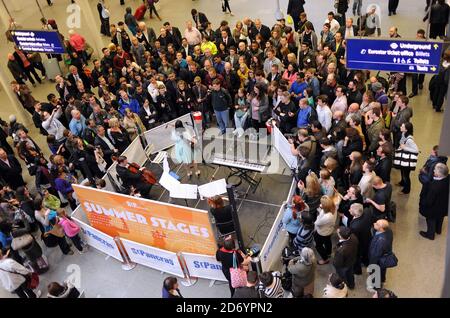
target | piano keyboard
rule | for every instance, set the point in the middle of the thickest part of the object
(238, 164)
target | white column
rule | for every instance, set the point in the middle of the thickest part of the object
(94, 26)
(13, 105)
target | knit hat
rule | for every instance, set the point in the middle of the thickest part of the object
(377, 86)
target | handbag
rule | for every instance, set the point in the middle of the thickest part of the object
(22, 241)
(237, 274)
(405, 159)
(388, 260)
(33, 281)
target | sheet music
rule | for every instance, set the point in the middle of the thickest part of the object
(184, 191)
(284, 148)
(212, 189)
(345, 220)
(168, 182)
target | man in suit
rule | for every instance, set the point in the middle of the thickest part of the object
(105, 144)
(381, 244)
(349, 29)
(436, 202)
(233, 58)
(131, 179)
(175, 33)
(295, 7)
(23, 60)
(11, 170)
(185, 48)
(76, 76)
(227, 40)
(123, 38)
(338, 123)
(200, 19)
(361, 225)
(262, 29)
(345, 255)
(274, 75)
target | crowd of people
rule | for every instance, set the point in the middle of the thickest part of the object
(347, 128)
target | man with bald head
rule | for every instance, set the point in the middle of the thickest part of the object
(381, 245)
(393, 32)
(192, 34)
(248, 24)
(78, 123)
(353, 112)
(329, 88)
(349, 29)
(260, 28)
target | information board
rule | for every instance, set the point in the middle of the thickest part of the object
(38, 41)
(394, 55)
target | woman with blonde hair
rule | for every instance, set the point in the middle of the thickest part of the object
(133, 124)
(115, 132)
(243, 74)
(324, 226)
(239, 33)
(311, 193)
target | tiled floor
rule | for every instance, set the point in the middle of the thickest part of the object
(421, 262)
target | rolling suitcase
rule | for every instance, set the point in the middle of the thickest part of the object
(140, 12)
(52, 68)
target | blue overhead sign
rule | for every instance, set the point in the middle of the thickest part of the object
(38, 41)
(394, 55)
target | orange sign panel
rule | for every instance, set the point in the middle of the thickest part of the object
(165, 226)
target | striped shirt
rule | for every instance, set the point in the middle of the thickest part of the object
(276, 289)
(304, 238)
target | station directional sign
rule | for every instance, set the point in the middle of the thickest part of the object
(394, 55)
(38, 41)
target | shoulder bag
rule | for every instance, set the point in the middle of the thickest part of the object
(22, 241)
(237, 274)
(405, 159)
(32, 279)
(388, 260)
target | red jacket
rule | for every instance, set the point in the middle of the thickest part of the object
(77, 42)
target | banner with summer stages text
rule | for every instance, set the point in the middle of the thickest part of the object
(161, 225)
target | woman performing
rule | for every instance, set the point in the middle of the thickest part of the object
(185, 142)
